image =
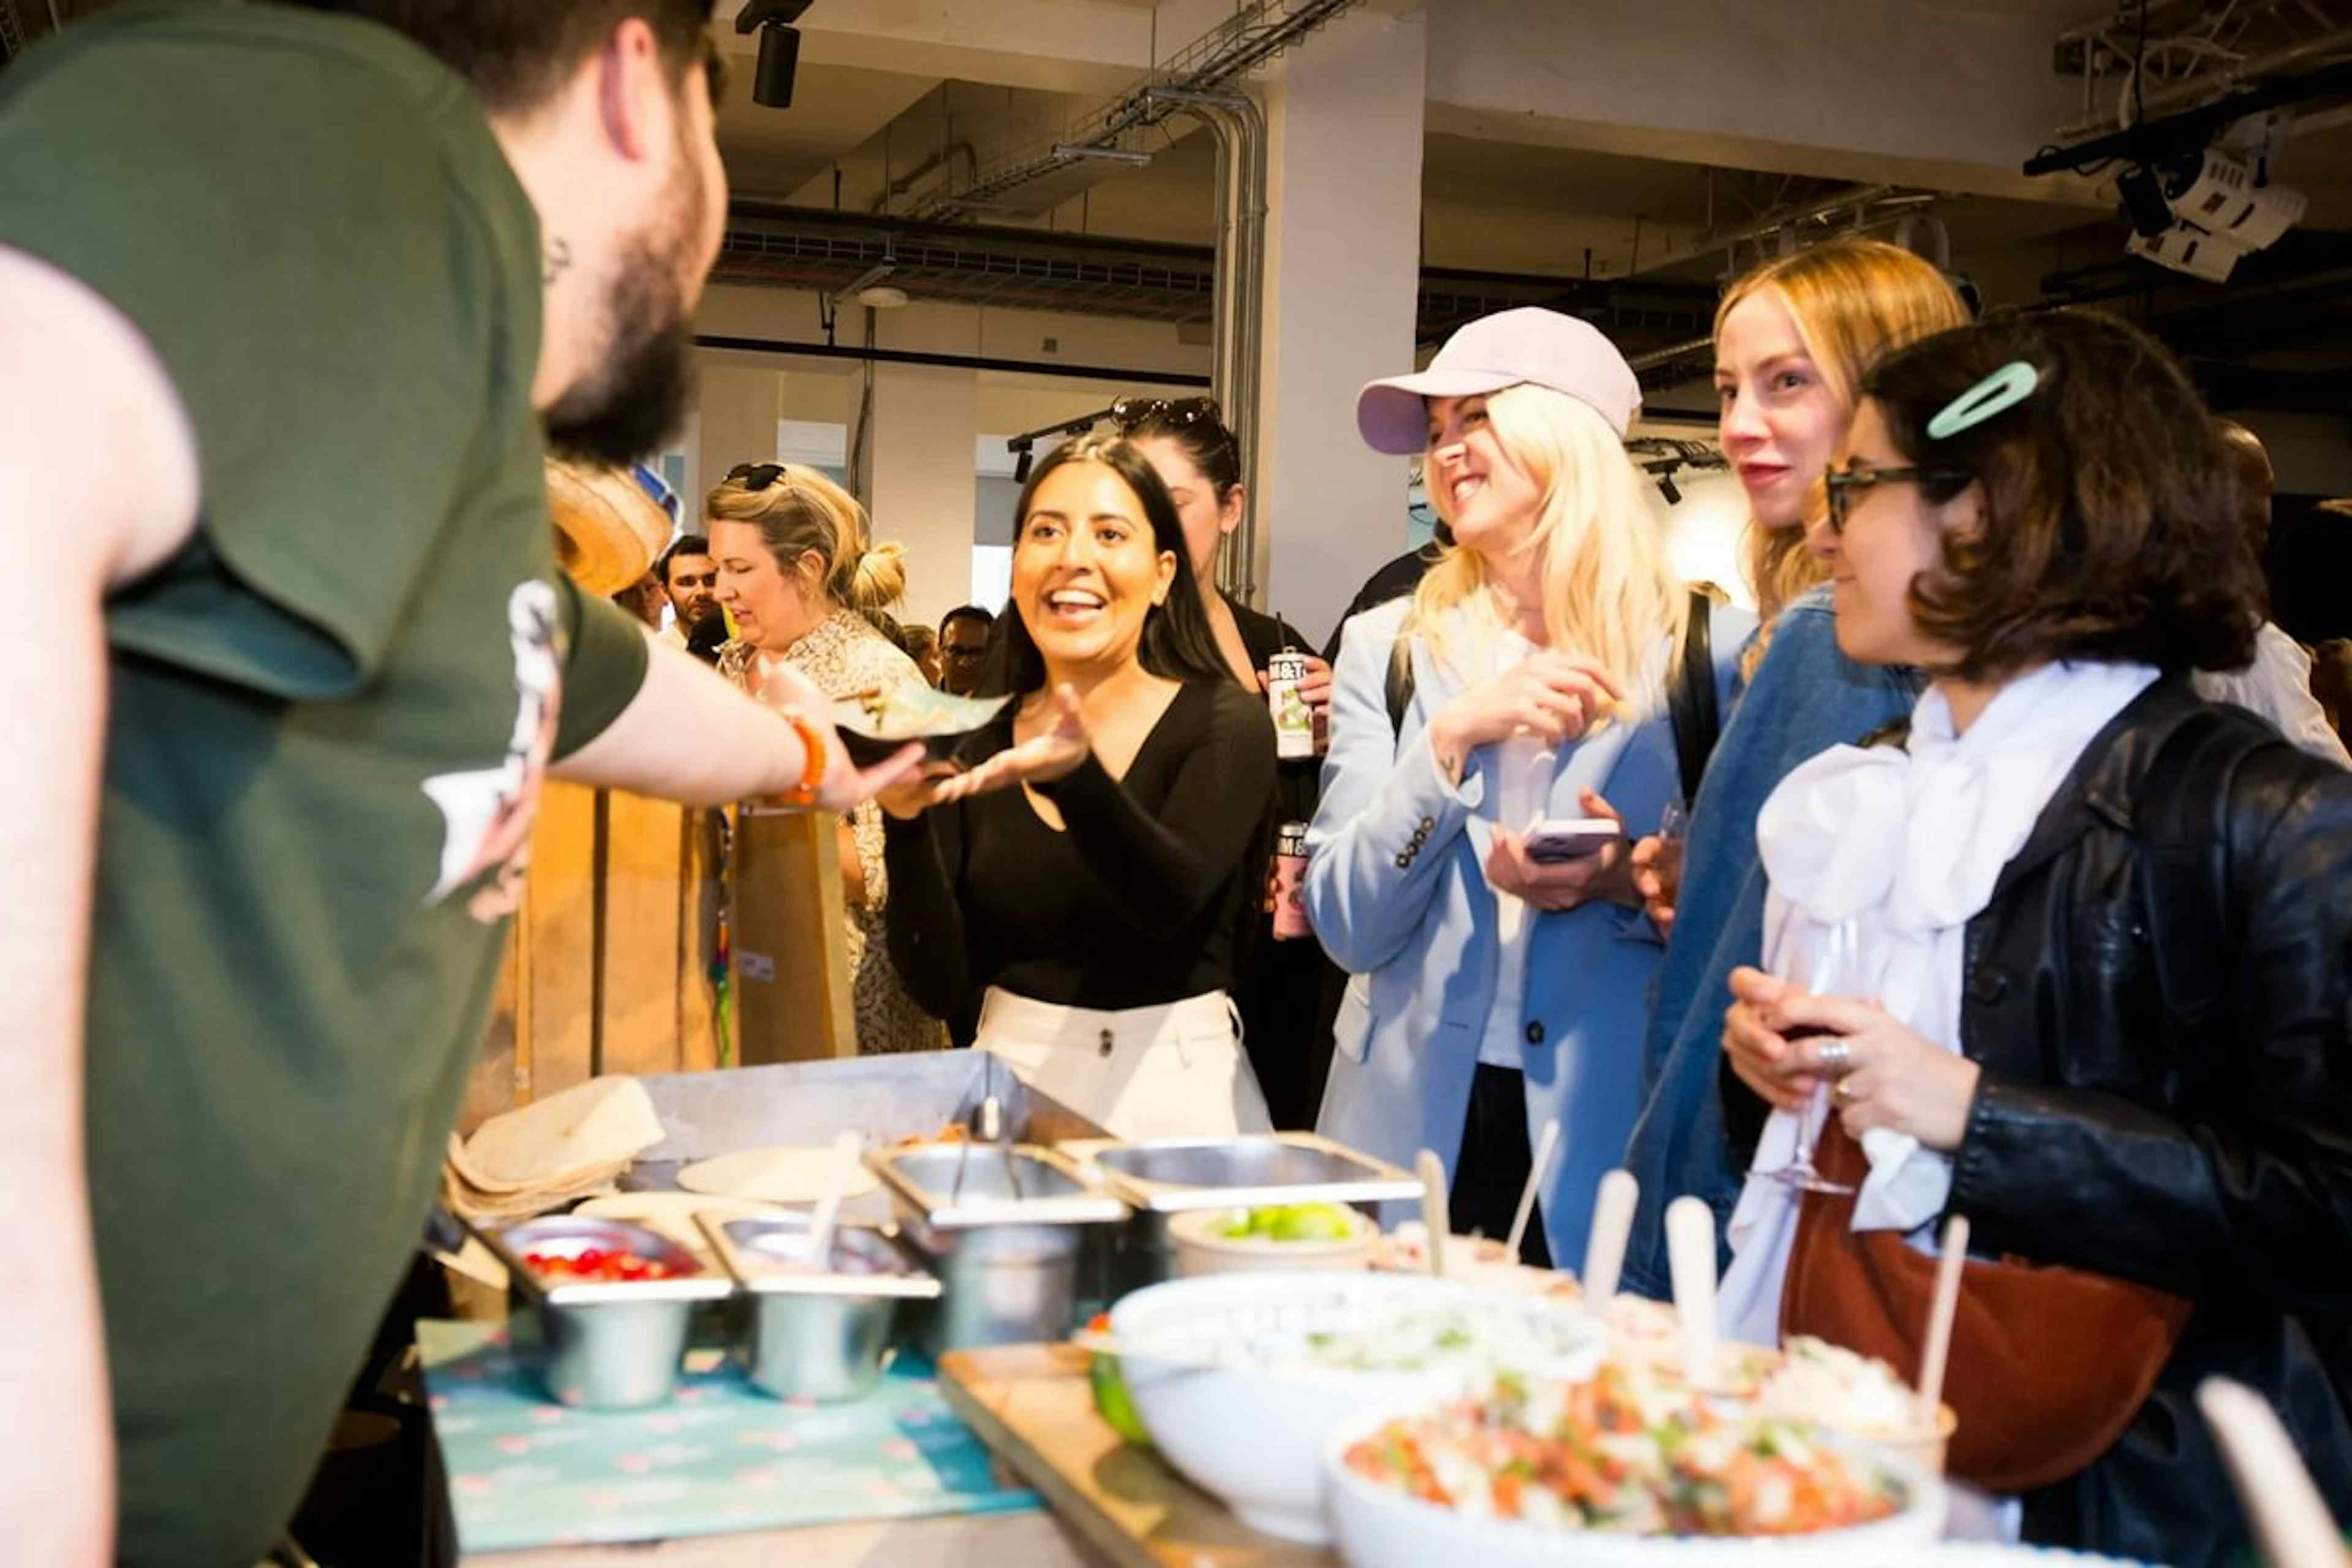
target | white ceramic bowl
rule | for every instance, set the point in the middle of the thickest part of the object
(1255, 1434)
(1200, 1249)
(1375, 1526)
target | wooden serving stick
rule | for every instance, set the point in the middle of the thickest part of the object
(2290, 1519)
(1547, 1145)
(1690, 1253)
(1612, 1225)
(1431, 1171)
(1939, 1318)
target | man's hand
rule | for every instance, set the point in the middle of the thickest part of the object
(845, 785)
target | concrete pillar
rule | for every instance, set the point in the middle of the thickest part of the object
(740, 402)
(1344, 124)
(925, 418)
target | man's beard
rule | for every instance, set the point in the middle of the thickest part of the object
(637, 397)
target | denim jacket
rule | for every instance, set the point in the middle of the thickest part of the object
(1805, 698)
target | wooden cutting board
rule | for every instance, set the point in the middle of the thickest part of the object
(1032, 1404)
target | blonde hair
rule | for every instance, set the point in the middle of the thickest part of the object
(1852, 301)
(1607, 590)
(803, 512)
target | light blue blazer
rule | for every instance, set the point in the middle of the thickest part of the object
(1397, 888)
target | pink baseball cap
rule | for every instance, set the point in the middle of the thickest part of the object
(1543, 348)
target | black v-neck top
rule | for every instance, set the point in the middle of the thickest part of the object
(1142, 901)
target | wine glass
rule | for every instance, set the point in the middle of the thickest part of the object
(1828, 964)
(1674, 836)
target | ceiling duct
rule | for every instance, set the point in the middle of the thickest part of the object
(1215, 62)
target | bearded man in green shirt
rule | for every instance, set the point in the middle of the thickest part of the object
(291, 304)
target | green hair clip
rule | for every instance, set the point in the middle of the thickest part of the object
(2004, 389)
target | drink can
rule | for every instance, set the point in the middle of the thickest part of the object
(1290, 882)
(1294, 721)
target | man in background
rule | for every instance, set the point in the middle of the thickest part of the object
(963, 648)
(2278, 683)
(690, 578)
(642, 601)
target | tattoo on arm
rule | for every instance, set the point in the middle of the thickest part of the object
(557, 258)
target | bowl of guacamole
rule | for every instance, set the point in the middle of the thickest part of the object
(1272, 1237)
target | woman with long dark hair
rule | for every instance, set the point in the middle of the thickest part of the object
(1097, 906)
(1283, 978)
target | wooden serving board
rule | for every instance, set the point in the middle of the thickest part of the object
(1032, 1404)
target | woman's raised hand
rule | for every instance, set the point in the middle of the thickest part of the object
(1053, 753)
(1551, 695)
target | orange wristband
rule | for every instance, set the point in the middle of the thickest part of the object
(812, 765)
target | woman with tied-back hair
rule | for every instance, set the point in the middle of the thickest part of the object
(798, 580)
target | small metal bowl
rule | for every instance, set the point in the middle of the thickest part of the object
(817, 1334)
(602, 1346)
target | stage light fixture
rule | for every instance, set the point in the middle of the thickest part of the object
(2216, 208)
(780, 48)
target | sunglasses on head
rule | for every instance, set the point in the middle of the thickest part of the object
(756, 476)
(1129, 413)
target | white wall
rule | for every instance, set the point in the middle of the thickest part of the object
(1343, 283)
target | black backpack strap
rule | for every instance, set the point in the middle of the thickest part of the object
(1692, 703)
(1399, 687)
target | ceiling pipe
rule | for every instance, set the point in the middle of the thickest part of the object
(1238, 126)
(1779, 218)
(2152, 100)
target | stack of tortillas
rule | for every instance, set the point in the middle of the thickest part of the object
(607, 529)
(570, 1145)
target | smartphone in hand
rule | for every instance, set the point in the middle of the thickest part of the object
(1557, 838)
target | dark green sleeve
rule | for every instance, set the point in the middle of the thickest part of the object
(288, 227)
(605, 670)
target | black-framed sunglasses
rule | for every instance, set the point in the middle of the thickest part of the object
(756, 476)
(1129, 415)
(1843, 484)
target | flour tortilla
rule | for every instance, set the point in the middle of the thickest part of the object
(603, 1123)
(778, 1175)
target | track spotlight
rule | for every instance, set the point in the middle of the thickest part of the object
(780, 48)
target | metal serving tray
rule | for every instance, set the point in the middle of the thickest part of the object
(602, 1346)
(571, 1234)
(962, 1186)
(1171, 1175)
(882, 1099)
(751, 1250)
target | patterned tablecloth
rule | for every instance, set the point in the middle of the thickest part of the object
(525, 1471)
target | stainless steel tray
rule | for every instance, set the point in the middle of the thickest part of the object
(694, 1280)
(745, 1248)
(1171, 1175)
(960, 1186)
(884, 1099)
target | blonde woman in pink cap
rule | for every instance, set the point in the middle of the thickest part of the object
(1491, 738)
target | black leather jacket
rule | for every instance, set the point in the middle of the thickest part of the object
(2160, 996)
